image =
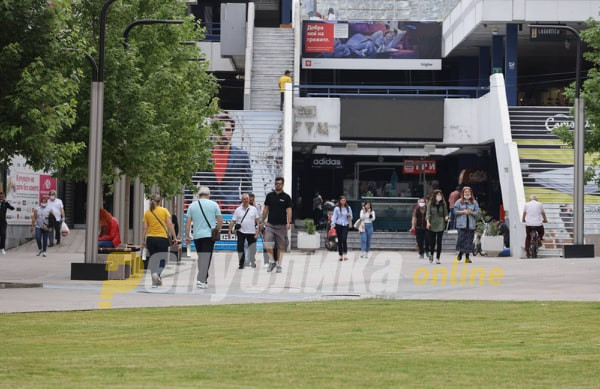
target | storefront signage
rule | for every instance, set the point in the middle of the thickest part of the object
(327, 162)
(316, 120)
(412, 166)
(472, 177)
(546, 34)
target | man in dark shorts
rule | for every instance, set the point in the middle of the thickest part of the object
(277, 211)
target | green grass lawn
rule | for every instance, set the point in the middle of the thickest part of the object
(365, 343)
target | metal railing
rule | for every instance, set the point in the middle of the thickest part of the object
(391, 91)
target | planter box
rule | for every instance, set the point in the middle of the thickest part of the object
(309, 242)
(492, 245)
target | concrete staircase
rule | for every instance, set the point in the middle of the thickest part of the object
(547, 168)
(401, 241)
(273, 55)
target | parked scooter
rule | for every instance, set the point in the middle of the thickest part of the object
(477, 239)
(331, 240)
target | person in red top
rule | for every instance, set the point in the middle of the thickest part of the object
(110, 235)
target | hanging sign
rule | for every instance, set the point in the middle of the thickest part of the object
(418, 166)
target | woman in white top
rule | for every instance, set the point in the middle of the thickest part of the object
(367, 216)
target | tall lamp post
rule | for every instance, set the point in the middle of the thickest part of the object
(578, 249)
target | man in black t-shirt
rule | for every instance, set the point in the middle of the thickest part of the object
(278, 211)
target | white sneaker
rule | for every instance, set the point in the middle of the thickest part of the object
(3, 252)
(156, 279)
(154, 286)
(39, 253)
(437, 261)
(266, 265)
(43, 253)
(202, 285)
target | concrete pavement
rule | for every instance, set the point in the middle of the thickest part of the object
(320, 276)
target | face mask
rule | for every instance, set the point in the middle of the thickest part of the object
(52, 197)
(43, 205)
(467, 196)
(438, 198)
(421, 204)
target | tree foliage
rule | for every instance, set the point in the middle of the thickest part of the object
(38, 85)
(156, 99)
(590, 93)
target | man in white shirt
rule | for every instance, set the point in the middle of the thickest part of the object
(57, 210)
(534, 218)
(244, 221)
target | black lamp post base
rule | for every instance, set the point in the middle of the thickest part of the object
(578, 251)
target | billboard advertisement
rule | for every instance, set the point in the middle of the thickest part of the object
(391, 45)
(246, 158)
(24, 189)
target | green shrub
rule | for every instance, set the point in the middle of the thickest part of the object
(309, 224)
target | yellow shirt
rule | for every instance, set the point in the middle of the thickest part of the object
(155, 229)
(282, 81)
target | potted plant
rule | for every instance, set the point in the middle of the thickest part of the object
(492, 243)
(309, 240)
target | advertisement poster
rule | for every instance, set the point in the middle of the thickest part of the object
(24, 189)
(372, 45)
(246, 158)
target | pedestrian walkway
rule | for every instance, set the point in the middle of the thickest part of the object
(320, 276)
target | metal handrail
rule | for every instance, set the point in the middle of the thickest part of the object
(385, 90)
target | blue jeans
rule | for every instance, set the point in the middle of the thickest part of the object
(365, 237)
(41, 238)
(105, 243)
(158, 249)
(451, 225)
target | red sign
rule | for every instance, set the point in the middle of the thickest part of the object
(318, 37)
(412, 166)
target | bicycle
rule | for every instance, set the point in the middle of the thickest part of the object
(533, 243)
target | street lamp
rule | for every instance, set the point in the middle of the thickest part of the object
(578, 249)
(146, 22)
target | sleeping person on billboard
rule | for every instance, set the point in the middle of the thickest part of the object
(231, 174)
(360, 45)
(374, 40)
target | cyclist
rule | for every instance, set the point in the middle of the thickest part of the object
(534, 218)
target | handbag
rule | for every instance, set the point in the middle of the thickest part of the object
(358, 223)
(173, 248)
(46, 227)
(239, 225)
(215, 234)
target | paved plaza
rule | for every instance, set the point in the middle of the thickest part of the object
(305, 277)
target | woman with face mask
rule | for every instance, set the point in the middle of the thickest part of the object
(419, 226)
(39, 222)
(436, 216)
(466, 210)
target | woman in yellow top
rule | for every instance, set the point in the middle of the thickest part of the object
(155, 237)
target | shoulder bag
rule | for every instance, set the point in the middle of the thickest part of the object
(239, 225)
(215, 234)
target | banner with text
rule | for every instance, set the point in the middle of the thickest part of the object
(25, 188)
(392, 45)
